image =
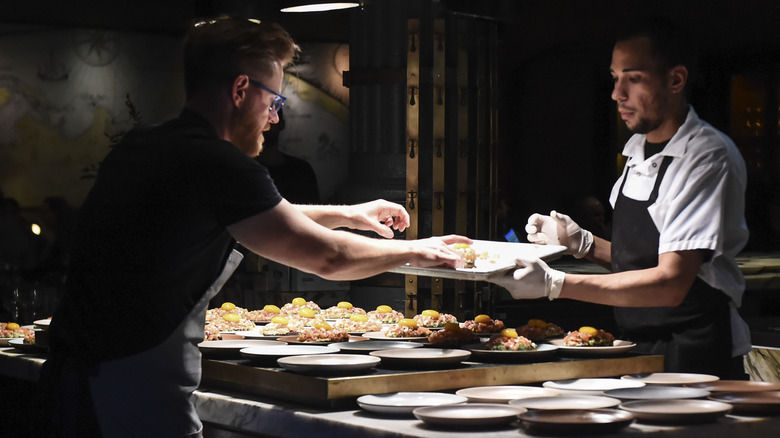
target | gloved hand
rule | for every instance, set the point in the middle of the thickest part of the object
(559, 229)
(533, 279)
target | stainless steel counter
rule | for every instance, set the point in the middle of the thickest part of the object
(239, 414)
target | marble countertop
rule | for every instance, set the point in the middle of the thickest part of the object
(255, 415)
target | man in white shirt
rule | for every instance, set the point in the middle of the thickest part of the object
(678, 221)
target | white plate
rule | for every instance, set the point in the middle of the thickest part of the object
(469, 414)
(18, 343)
(594, 386)
(273, 352)
(380, 336)
(671, 378)
(567, 402)
(481, 354)
(368, 346)
(328, 363)
(42, 322)
(503, 394)
(233, 345)
(618, 347)
(575, 422)
(652, 392)
(501, 258)
(421, 357)
(676, 411)
(405, 402)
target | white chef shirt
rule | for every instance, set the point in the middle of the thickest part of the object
(700, 205)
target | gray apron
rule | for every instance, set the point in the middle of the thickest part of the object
(148, 394)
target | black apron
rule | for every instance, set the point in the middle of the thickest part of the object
(694, 337)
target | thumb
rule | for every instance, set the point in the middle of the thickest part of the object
(561, 218)
(383, 230)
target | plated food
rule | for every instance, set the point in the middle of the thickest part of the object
(385, 314)
(12, 330)
(266, 314)
(342, 310)
(509, 340)
(430, 318)
(539, 330)
(467, 252)
(322, 332)
(406, 328)
(357, 323)
(298, 303)
(484, 324)
(453, 335)
(588, 336)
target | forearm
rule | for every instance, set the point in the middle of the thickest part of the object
(601, 252)
(329, 216)
(663, 285)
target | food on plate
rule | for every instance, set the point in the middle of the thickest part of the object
(358, 323)
(14, 330)
(265, 314)
(539, 330)
(468, 253)
(453, 334)
(226, 307)
(322, 332)
(406, 328)
(297, 303)
(232, 322)
(306, 317)
(509, 340)
(432, 319)
(588, 336)
(484, 324)
(344, 309)
(211, 333)
(277, 326)
(385, 314)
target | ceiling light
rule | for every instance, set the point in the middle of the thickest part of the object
(320, 7)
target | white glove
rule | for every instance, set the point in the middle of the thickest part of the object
(533, 279)
(559, 229)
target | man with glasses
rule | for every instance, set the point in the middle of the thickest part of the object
(157, 232)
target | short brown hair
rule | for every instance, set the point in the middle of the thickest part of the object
(220, 49)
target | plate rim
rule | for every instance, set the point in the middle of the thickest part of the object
(611, 402)
(424, 414)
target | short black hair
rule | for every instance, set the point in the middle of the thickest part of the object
(670, 45)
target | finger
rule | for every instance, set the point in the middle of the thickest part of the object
(539, 238)
(531, 229)
(536, 219)
(455, 238)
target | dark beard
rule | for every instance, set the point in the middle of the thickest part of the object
(644, 126)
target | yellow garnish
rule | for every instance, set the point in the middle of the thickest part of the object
(344, 305)
(358, 318)
(384, 309)
(431, 313)
(280, 319)
(407, 322)
(231, 317)
(589, 330)
(322, 325)
(452, 326)
(298, 301)
(270, 308)
(228, 306)
(509, 333)
(12, 326)
(306, 313)
(482, 318)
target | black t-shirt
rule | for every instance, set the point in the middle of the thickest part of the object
(152, 235)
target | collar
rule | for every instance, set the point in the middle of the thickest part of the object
(635, 147)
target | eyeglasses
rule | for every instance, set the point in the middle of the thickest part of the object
(278, 101)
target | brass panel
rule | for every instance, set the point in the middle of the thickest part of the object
(277, 383)
(439, 147)
(412, 151)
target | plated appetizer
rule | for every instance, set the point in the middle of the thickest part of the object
(453, 334)
(358, 324)
(265, 314)
(406, 328)
(306, 317)
(588, 336)
(509, 340)
(14, 330)
(297, 303)
(385, 315)
(433, 319)
(322, 332)
(539, 330)
(484, 324)
(343, 310)
(277, 326)
(468, 253)
(226, 307)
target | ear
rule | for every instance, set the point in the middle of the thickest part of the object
(678, 77)
(238, 90)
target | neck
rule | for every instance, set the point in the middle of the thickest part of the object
(670, 125)
(216, 113)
